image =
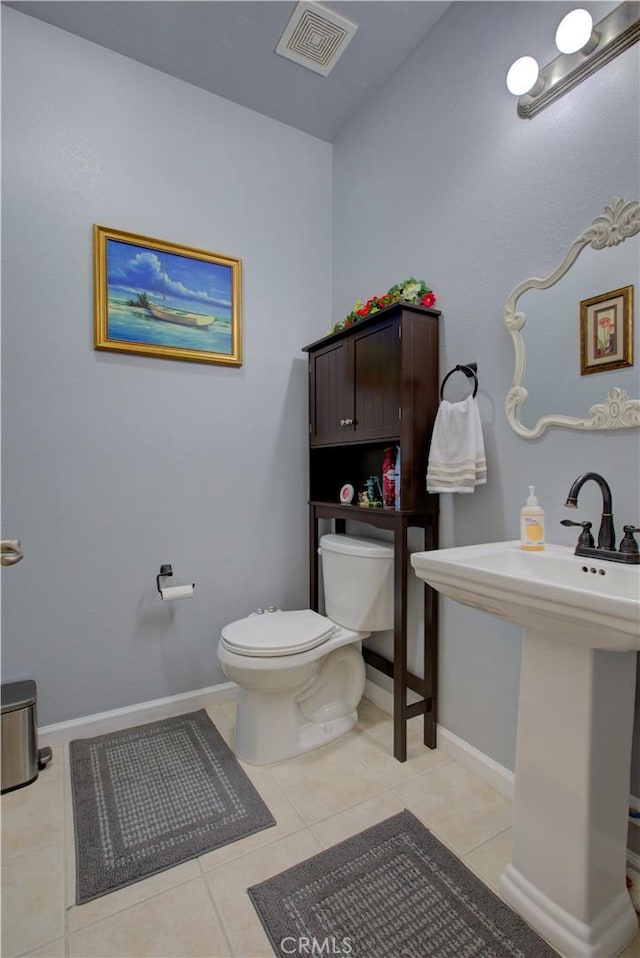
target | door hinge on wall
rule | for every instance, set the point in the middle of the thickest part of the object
(10, 551)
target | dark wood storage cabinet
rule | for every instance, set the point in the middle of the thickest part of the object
(374, 385)
(355, 386)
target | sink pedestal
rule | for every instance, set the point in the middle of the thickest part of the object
(573, 757)
(575, 726)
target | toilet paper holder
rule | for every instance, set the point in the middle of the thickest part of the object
(166, 571)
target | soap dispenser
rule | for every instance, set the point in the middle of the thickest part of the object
(532, 524)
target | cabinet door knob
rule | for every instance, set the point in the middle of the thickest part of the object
(348, 422)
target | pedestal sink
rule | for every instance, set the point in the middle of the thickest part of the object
(581, 622)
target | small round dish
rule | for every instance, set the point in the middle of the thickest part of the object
(346, 494)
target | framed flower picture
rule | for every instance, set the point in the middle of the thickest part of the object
(606, 331)
(156, 298)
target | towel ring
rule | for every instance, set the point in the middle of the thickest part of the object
(471, 372)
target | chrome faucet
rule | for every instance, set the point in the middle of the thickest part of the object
(606, 548)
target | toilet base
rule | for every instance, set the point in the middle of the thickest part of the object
(296, 703)
(271, 741)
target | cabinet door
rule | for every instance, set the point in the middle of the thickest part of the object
(376, 372)
(330, 394)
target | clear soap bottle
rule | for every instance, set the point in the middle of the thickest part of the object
(532, 524)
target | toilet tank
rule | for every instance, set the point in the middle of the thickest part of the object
(358, 582)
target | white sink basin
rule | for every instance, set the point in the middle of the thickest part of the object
(587, 602)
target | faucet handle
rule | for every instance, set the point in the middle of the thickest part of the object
(629, 544)
(585, 538)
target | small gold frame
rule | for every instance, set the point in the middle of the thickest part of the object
(155, 298)
(606, 331)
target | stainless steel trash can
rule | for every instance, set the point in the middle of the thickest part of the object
(21, 758)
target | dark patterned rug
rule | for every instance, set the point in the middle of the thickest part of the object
(393, 891)
(150, 797)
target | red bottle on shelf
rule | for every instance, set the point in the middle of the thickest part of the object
(388, 479)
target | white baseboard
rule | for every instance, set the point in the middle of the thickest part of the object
(379, 697)
(104, 722)
(495, 775)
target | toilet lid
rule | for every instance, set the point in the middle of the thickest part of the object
(277, 633)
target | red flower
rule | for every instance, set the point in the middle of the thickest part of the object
(429, 299)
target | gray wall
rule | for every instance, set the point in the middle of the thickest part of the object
(438, 178)
(114, 464)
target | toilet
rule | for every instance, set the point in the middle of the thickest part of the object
(301, 675)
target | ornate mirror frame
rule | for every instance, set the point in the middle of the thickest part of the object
(618, 222)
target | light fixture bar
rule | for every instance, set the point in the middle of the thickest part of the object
(618, 31)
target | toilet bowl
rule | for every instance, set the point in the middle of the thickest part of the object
(301, 675)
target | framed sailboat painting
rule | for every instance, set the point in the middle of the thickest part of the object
(156, 298)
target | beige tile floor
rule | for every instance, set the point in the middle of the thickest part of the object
(201, 908)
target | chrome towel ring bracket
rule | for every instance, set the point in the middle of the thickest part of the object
(471, 372)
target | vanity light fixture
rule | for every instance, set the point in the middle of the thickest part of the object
(575, 32)
(523, 76)
(584, 48)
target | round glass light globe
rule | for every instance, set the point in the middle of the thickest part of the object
(522, 76)
(574, 31)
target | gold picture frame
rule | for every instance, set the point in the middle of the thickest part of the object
(606, 331)
(161, 299)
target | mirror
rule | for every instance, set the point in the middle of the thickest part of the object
(570, 367)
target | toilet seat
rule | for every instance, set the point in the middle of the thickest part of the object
(277, 633)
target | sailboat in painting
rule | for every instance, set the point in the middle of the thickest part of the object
(182, 318)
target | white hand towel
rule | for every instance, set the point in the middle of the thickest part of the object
(457, 461)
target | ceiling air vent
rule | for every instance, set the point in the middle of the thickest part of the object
(315, 37)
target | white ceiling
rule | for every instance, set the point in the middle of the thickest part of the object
(227, 47)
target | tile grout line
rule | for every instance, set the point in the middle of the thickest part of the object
(249, 851)
(383, 791)
(220, 917)
(31, 851)
(69, 845)
(69, 834)
(487, 840)
(134, 904)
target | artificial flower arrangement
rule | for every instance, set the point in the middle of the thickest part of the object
(410, 291)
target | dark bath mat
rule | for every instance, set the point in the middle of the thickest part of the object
(148, 798)
(393, 891)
